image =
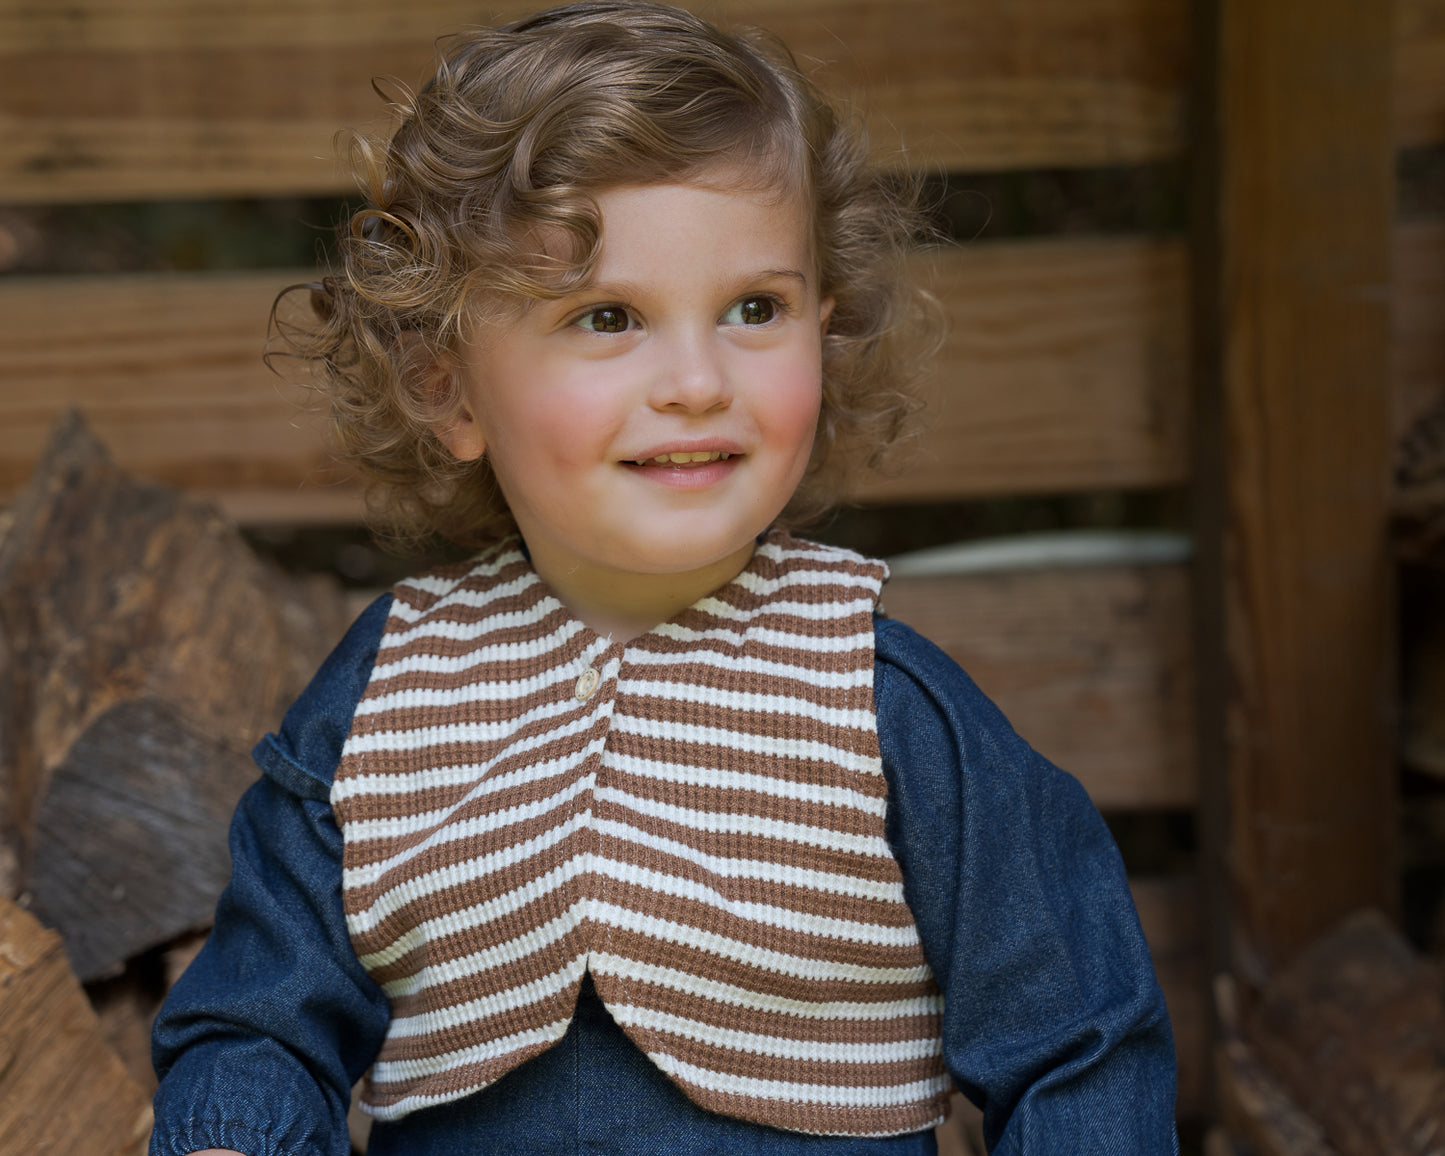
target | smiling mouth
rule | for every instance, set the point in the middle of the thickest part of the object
(692, 458)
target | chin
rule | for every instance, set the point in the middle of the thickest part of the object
(684, 553)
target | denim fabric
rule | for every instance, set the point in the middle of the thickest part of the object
(1053, 1020)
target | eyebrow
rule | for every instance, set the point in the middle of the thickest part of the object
(770, 274)
(628, 290)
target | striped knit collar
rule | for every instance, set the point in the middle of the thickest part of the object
(750, 587)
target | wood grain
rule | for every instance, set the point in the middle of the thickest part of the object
(168, 371)
(133, 99)
(1063, 370)
(1354, 1030)
(1304, 198)
(1419, 81)
(64, 1090)
(149, 649)
(1257, 1110)
(965, 86)
(1092, 666)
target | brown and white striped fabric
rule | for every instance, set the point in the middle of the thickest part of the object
(695, 817)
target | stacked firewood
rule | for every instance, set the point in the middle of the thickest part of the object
(144, 647)
(1342, 1054)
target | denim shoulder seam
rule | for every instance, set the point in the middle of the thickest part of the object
(303, 757)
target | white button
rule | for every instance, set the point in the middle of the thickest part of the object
(587, 683)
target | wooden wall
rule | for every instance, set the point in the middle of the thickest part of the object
(1072, 365)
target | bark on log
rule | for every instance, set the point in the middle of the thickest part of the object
(1258, 1112)
(1355, 1031)
(144, 648)
(61, 1088)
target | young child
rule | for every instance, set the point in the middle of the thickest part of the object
(642, 831)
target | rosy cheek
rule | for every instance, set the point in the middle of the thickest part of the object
(797, 406)
(562, 417)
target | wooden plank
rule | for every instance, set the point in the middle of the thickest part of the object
(135, 99)
(1063, 370)
(168, 371)
(1303, 197)
(1092, 666)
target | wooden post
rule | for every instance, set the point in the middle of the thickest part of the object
(1293, 444)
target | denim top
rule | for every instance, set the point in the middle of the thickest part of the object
(1053, 1023)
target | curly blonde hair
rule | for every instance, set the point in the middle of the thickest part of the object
(518, 127)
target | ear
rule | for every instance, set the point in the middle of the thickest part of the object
(462, 434)
(825, 312)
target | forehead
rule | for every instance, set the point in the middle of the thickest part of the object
(724, 221)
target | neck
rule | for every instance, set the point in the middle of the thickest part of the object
(623, 605)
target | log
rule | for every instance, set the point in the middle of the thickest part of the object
(145, 649)
(1257, 1111)
(129, 838)
(1355, 1031)
(61, 1087)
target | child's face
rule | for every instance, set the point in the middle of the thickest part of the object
(698, 342)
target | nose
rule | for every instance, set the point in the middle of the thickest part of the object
(691, 374)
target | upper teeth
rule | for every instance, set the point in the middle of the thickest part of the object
(684, 458)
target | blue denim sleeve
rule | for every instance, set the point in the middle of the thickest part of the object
(1054, 1022)
(260, 1041)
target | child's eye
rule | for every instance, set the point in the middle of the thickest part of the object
(751, 311)
(606, 319)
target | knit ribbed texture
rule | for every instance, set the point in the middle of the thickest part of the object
(696, 818)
